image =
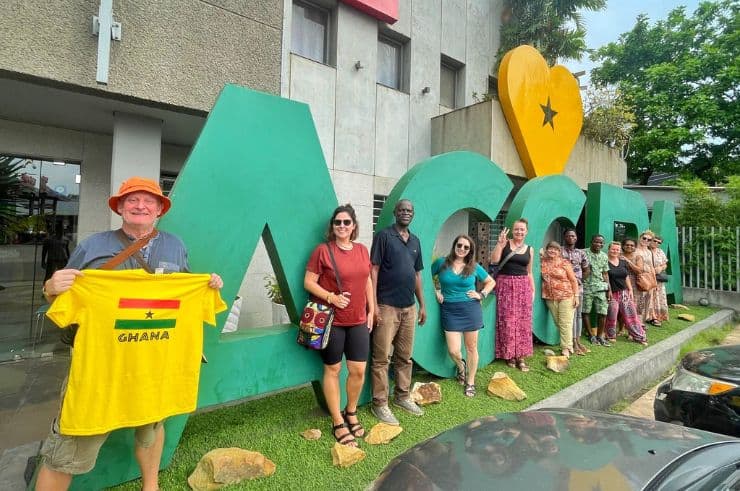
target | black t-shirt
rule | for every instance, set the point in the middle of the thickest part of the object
(517, 264)
(618, 276)
(397, 262)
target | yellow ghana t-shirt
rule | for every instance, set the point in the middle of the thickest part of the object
(137, 352)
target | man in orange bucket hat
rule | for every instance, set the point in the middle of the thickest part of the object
(139, 202)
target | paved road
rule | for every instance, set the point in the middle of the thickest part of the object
(643, 407)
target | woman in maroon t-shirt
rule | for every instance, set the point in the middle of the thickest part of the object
(353, 316)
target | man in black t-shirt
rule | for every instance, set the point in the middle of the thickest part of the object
(396, 276)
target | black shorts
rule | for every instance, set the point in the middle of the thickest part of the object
(352, 341)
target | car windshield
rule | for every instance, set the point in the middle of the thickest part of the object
(714, 467)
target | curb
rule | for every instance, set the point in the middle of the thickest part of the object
(603, 389)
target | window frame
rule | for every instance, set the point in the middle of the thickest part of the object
(457, 69)
(401, 61)
(328, 38)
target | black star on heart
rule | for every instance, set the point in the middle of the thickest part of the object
(150, 315)
(550, 113)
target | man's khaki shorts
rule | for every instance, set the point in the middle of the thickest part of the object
(73, 454)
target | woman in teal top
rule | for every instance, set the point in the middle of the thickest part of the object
(460, 307)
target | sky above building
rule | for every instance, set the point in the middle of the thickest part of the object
(619, 17)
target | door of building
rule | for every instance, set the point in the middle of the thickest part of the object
(39, 207)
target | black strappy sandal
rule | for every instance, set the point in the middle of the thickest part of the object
(469, 390)
(462, 375)
(354, 428)
(347, 439)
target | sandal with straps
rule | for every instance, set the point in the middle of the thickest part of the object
(469, 390)
(462, 375)
(353, 428)
(346, 439)
(511, 363)
(522, 366)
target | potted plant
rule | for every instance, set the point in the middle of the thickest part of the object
(279, 312)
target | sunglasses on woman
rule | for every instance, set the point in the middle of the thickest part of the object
(464, 247)
(346, 222)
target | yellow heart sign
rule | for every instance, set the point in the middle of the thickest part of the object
(543, 108)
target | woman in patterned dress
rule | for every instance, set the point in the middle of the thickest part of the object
(660, 264)
(646, 300)
(514, 296)
(621, 304)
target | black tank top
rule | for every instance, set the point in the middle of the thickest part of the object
(517, 265)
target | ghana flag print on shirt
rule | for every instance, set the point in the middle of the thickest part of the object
(138, 349)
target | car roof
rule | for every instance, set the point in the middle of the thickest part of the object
(546, 449)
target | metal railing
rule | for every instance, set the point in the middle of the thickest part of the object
(710, 257)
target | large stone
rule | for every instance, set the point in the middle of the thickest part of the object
(382, 433)
(502, 386)
(345, 456)
(424, 394)
(686, 317)
(312, 434)
(679, 306)
(548, 352)
(557, 364)
(223, 466)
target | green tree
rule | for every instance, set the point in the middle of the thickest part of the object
(607, 119)
(681, 76)
(700, 207)
(554, 27)
(714, 223)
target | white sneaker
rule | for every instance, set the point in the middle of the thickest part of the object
(384, 414)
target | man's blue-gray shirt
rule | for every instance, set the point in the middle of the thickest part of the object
(164, 251)
(397, 262)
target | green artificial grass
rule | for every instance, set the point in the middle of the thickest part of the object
(272, 425)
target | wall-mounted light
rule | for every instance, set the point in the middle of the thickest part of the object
(358, 65)
(426, 90)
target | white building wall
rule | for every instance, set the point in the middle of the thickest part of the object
(391, 133)
(453, 28)
(367, 128)
(315, 84)
(354, 126)
(426, 27)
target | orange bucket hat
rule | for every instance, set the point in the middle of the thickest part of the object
(135, 184)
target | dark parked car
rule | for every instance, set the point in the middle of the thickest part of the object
(704, 393)
(567, 449)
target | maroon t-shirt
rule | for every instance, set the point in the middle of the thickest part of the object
(354, 270)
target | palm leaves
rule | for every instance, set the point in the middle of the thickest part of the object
(554, 27)
(12, 192)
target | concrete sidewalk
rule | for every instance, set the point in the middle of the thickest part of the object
(643, 407)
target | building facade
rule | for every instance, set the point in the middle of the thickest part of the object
(384, 96)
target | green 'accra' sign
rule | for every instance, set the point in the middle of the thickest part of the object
(257, 170)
